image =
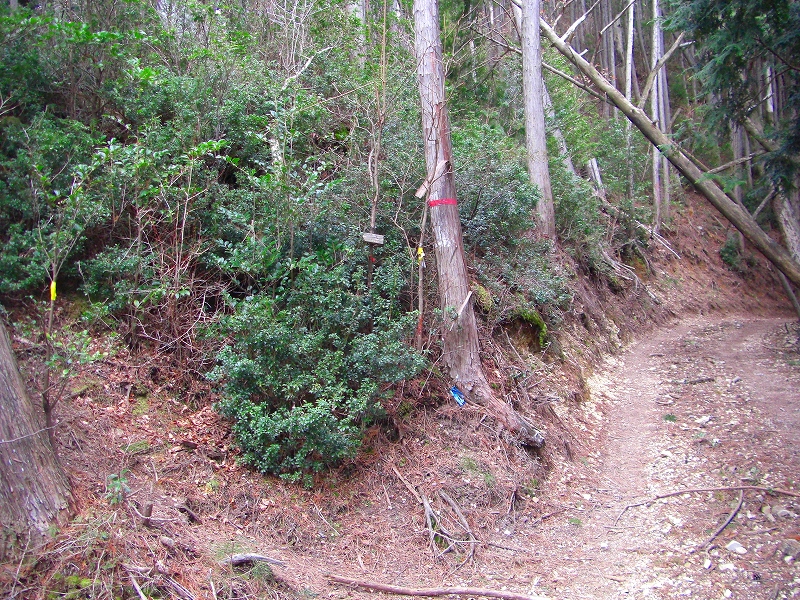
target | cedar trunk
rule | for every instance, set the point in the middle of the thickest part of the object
(34, 491)
(461, 348)
(533, 93)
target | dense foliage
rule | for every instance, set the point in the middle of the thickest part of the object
(203, 174)
(749, 57)
(306, 365)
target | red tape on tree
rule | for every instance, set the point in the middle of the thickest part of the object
(441, 201)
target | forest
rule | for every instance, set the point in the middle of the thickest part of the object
(298, 210)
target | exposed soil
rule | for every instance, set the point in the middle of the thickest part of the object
(708, 403)
(707, 398)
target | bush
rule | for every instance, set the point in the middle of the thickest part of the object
(303, 372)
(730, 254)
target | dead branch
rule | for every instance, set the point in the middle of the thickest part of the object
(407, 484)
(732, 488)
(436, 529)
(615, 19)
(179, 590)
(137, 587)
(661, 62)
(452, 591)
(148, 520)
(727, 521)
(574, 27)
(538, 520)
(237, 560)
(193, 518)
(734, 163)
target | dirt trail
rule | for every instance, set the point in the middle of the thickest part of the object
(707, 403)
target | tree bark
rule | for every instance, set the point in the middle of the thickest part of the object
(34, 491)
(656, 115)
(527, 17)
(739, 218)
(461, 349)
(787, 209)
(533, 92)
(787, 203)
(566, 159)
(629, 92)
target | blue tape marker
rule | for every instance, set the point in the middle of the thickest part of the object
(459, 397)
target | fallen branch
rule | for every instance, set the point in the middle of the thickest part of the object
(464, 523)
(193, 518)
(452, 591)
(137, 587)
(147, 519)
(693, 381)
(179, 590)
(732, 488)
(553, 513)
(436, 529)
(407, 484)
(727, 521)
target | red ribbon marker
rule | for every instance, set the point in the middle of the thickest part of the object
(441, 201)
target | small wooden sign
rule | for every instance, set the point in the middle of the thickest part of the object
(373, 238)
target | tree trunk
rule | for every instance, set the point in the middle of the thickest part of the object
(629, 94)
(533, 92)
(34, 491)
(787, 209)
(566, 159)
(656, 116)
(461, 350)
(739, 218)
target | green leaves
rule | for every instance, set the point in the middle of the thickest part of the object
(749, 50)
(303, 372)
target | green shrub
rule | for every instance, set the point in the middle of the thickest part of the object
(303, 372)
(729, 252)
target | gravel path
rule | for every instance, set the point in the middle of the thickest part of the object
(705, 404)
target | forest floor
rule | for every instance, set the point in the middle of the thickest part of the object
(696, 390)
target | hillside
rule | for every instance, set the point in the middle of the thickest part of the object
(139, 438)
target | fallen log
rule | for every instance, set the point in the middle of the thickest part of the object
(703, 182)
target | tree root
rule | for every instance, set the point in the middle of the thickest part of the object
(450, 591)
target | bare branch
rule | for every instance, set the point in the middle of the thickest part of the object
(615, 19)
(574, 27)
(734, 163)
(648, 86)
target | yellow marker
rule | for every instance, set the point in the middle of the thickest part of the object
(420, 253)
(52, 291)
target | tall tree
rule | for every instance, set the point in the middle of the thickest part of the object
(461, 348)
(527, 17)
(34, 491)
(659, 198)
